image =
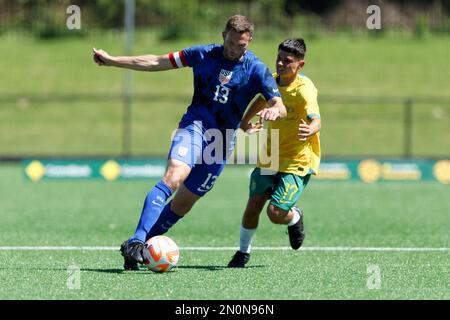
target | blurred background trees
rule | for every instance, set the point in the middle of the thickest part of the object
(174, 19)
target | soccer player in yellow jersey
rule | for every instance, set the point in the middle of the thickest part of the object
(298, 154)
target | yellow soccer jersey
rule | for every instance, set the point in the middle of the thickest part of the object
(295, 156)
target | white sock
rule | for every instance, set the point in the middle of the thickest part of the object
(246, 236)
(295, 218)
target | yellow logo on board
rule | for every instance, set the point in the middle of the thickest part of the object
(110, 170)
(35, 170)
(369, 170)
(441, 171)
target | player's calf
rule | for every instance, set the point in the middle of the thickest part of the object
(255, 204)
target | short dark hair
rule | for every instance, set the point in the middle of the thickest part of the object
(239, 24)
(295, 46)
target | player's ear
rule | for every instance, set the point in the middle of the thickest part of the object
(301, 64)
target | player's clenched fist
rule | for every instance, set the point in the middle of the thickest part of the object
(102, 58)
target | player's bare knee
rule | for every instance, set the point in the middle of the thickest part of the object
(172, 179)
(175, 174)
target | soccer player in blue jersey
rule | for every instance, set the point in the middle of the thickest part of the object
(226, 78)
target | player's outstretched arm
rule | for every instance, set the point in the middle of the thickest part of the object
(256, 106)
(259, 107)
(139, 63)
(275, 111)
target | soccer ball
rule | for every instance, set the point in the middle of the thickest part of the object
(161, 254)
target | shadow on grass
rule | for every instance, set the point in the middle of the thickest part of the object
(142, 270)
(116, 270)
(215, 268)
(145, 271)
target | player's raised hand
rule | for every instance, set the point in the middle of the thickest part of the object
(304, 130)
(102, 58)
(270, 114)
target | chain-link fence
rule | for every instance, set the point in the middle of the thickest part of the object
(92, 125)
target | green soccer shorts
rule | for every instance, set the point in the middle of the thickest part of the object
(285, 188)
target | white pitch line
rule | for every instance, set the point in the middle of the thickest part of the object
(392, 249)
(57, 248)
(319, 249)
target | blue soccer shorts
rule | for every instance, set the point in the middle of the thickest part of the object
(188, 145)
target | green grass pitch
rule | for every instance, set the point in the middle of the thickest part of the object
(338, 214)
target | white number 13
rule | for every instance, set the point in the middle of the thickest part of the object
(223, 92)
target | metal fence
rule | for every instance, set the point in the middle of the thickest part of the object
(352, 126)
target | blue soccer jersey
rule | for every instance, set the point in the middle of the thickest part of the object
(222, 91)
(222, 88)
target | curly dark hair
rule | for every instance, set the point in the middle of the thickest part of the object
(295, 46)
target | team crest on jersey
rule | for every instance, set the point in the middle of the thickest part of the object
(225, 76)
(182, 151)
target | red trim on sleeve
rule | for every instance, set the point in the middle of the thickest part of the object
(183, 59)
(172, 60)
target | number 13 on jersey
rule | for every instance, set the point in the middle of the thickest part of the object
(221, 94)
